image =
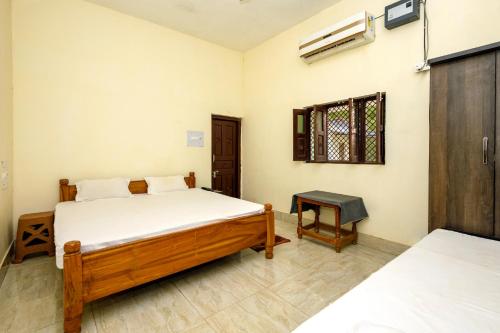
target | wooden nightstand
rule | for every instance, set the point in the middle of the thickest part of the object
(212, 190)
(35, 233)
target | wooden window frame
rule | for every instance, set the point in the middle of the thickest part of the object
(301, 141)
(320, 134)
(357, 135)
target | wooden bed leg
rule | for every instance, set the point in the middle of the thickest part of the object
(73, 287)
(270, 230)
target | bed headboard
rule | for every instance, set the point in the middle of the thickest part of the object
(68, 192)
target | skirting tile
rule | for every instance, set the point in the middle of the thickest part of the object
(382, 244)
(363, 239)
(6, 262)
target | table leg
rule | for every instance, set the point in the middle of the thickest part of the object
(299, 211)
(316, 218)
(355, 233)
(338, 242)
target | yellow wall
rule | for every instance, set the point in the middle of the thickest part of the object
(276, 81)
(5, 122)
(99, 93)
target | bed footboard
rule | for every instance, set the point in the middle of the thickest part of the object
(93, 275)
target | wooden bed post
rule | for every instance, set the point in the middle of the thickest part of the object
(192, 180)
(270, 230)
(63, 189)
(73, 287)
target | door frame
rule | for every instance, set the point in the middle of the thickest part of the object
(237, 121)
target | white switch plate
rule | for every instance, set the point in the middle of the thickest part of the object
(4, 175)
(195, 139)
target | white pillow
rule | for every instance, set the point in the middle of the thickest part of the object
(92, 189)
(157, 185)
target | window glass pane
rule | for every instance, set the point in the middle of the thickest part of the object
(300, 124)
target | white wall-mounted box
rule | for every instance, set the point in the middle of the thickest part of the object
(195, 138)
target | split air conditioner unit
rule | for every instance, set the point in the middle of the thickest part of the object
(347, 34)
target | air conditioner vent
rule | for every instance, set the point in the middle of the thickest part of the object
(349, 33)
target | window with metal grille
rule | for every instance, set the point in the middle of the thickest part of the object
(339, 131)
(312, 115)
(347, 131)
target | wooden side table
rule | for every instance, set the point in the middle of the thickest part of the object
(35, 233)
(348, 209)
(342, 237)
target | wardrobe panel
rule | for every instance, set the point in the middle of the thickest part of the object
(462, 140)
(438, 157)
(497, 165)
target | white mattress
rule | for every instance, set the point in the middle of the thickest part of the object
(447, 282)
(106, 222)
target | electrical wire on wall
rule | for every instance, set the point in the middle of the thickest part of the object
(426, 33)
(424, 65)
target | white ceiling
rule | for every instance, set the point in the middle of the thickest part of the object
(239, 26)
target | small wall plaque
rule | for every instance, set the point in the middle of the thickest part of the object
(195, 138)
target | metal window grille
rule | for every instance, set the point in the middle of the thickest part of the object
(338, 119)
(370, 130)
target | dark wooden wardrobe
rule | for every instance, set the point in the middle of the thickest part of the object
(464, 180)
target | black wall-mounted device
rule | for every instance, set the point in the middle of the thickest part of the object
(401, 12)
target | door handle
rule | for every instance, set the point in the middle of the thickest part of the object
(485, 150)
(214, 173)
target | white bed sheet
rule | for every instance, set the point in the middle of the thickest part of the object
(105, 222)
(448, 282)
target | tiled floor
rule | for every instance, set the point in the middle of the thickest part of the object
(241, 293)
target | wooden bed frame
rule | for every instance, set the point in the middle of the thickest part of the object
(95, 274)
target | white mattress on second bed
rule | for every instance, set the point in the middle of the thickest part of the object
(105, 222)
(447, 282)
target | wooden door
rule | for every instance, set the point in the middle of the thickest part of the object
(497, 144)
(226, 155)
(462, 145)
